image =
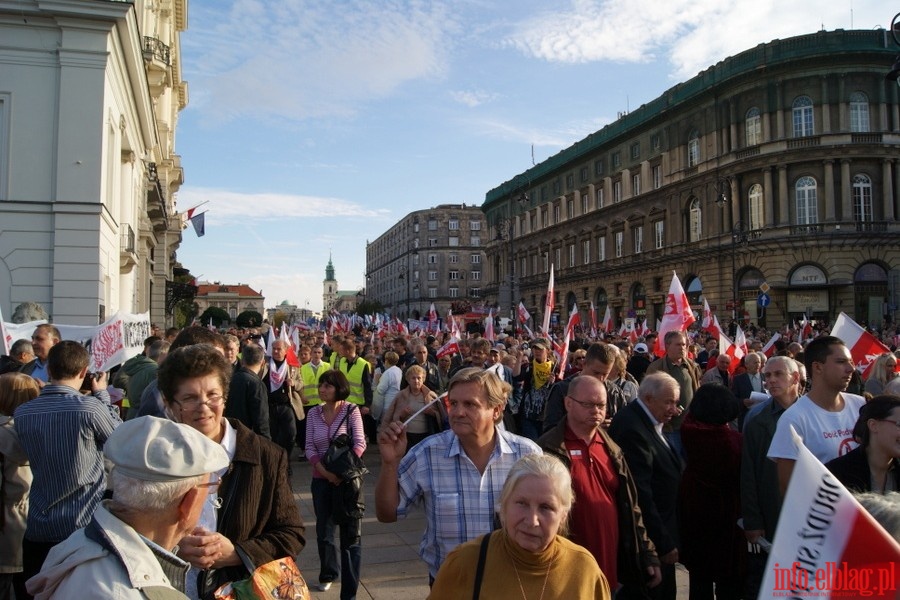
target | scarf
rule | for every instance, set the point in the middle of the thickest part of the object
(540, 373)
(277, 374)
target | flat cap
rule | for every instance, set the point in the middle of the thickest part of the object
(154, 449)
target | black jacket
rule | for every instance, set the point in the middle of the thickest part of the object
(852, 469)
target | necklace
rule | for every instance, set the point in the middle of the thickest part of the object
(543, 588)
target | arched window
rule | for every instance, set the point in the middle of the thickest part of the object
(803, 116)
(859, 112)
(695, 214)
(756, 207)
(807, 201)
(862, 198)
(753, 127)
(694, 149)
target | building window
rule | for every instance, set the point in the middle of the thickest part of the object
(432, 275)
(557, 259)
(571, 255)
(635, 151)
(432, 242)
(475, 292)
(557, 187)
(659, 234)
(432, 259)
(654, 141)
(476, 275)
(601, 248)
(534, 260)
(616, 160)
(859, 112)
(638, 239)
(556, 218)
(617, 191)
(474, 225)
(476, 259)
(416, 259)
(694, 149)
(475, 240)
(454, 275)
(570, 181)
(802, 110)
(807, 201)
(862, 198)
(453, 258)
(656, 173)
(454, 292)
(432, 292)
(570, 208)
(585, 201)
(696, 220)
(415, 228)
(755, 197)
(533, 219)
(453, 241)
(598, 168)
(546, 261)
(524, 266)
(586, 252)
(415, 276)
(753, 127)
(432, 225)
(544, 217)
(620, 236)
(600, 197)
(636, 184)
(453, 224)
(584, 174)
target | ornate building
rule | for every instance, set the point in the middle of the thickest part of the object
(432, 255)
(772, 171)
(88, 171)
(329, 288)
(233, 299)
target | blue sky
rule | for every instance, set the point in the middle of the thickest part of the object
(314, 125)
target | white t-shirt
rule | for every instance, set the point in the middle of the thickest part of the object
(826, 434)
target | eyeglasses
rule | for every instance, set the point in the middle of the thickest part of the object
(212, 485)
(589, 405)
(896, 423)
(195, 403)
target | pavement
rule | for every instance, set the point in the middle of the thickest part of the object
(391, 567)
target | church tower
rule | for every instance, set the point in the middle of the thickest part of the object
(329, 289)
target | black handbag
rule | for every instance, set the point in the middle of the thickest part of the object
(340, 458)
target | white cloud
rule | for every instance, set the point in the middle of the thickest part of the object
(299, 59)
(228, 206)
(473, 98)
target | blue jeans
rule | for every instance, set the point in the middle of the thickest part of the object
(351, 550)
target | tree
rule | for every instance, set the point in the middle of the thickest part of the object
(249, 318)
(369, 307)
(216, 315)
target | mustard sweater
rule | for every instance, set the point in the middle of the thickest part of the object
(574, 573)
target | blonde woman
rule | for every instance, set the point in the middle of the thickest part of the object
(410, 400)
(883, 372)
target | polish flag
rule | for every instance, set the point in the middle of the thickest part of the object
(828, 545)
(622, 331)
(574, 320)
(769, 348)
(593, 317)
(726, 346)
(290, 356)
(678, 315)
(454, 325)
(489, 326)
(607, 326)
(710, 322)
(432, 318)
(548, 304)
(864, 347)
(805, 328)
(524, 315)
(449, 349)
(741, 340)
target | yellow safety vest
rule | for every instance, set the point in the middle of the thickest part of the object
(354, 377)
(311, 382)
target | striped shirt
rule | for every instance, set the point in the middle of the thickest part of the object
(63, 433)
(459, 501)
(319, 433)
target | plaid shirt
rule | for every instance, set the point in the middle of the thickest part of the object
(459, 501)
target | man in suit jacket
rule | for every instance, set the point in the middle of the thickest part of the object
(747, 382)
(655, 466)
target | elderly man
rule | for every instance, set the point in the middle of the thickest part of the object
(282, 384)
(455, 475)
(160, 480)
(19, 355)
(686, 372)
(656, 467)
(720, 372)
(44, 337)
(606, 518)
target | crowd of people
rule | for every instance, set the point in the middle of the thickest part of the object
(590, 479)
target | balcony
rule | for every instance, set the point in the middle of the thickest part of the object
(127, 250)
(155, 50)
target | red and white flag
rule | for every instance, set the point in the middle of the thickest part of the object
(432, 318)
(608, 326)
(805, 328)
(449, 349)
(549, 303)
(574, 320)
(726, 346)
(593, 317)
(828, 545)
(454, 325)
(710, 322)
(769, 348)
(740, 340)
(864, 347)
(290, 355)
(489, 326)
(524, 315)
(678, 315)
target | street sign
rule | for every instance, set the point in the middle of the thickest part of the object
(764, 287)
(764, 300)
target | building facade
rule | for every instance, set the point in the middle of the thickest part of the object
(90, 94)
(233, 299)
(769, 179)
(430, 256)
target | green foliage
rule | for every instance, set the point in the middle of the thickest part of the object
(216, 315)
(369, 307)
(249, 318)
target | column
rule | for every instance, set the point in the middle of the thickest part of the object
(627, 189)
(732, 117)
(784, 215)
(887, 191)
(826, 107)
(769, 197)
(843, 99)
(846, 196)
(734, 193)
(779, 113)
(829, 190)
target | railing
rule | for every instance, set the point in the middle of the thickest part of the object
(126, 242)
(804, 142)
(866, 138)
(154, 48)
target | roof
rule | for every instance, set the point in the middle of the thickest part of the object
(241, 289)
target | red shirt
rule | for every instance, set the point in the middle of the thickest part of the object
(594, 522)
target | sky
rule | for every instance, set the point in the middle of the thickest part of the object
(315, 125)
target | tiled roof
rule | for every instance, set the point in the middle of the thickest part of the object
(242, 290)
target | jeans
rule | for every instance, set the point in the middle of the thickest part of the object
(351, 550)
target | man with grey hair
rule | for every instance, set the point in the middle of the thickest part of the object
(162, 474)
(248, 399)
(655, 466)
(21, 353)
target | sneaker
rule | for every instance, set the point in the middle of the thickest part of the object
(323, 586)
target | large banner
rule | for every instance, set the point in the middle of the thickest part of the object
(111, 343)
